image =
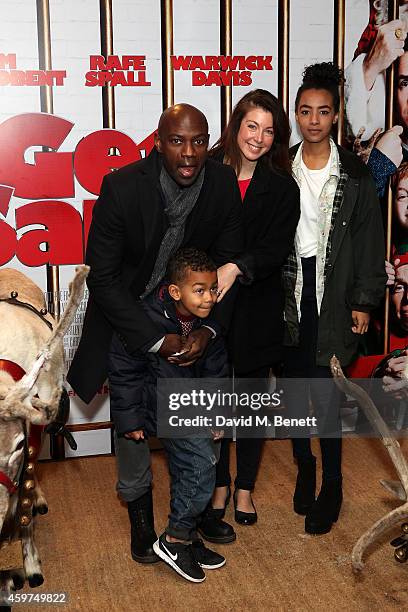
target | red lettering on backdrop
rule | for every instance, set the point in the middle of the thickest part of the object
(8, 59)
(93, 159)
(63, 233)
(8, 243)
(5, 196)
(51, 174)
(113, 62)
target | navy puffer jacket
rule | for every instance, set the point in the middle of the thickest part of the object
(133, 379)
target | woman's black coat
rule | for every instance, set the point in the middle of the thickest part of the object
(271, 211)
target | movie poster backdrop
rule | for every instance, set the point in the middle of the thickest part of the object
(59, 136)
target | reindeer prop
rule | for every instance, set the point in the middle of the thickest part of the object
(400, 489)
(31, 375)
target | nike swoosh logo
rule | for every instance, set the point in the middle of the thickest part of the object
(174, 557)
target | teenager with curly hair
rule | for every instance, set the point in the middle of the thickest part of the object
(333, 279)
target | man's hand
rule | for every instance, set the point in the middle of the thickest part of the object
(361, 321)
(226, 278)
(172, 343)
(390, 270)
(194, 347)
(135, 435)
(390, 144)
(388, 45)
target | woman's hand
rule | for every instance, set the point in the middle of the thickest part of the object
(226, 278)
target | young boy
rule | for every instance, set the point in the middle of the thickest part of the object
(178, 308)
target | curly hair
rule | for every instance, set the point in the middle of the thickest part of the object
(278, 156)
(188, 259)
(324, 75)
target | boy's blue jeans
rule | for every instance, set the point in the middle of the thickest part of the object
(192, 466)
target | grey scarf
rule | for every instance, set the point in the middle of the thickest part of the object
(179, 202)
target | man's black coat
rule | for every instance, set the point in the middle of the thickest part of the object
(127, 228)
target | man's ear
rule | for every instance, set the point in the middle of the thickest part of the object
(157, 142)
(336, 116)
(174, 292)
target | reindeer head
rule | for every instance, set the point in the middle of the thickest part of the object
(17, 411)
(19, 406)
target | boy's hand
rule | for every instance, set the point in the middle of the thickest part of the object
(361, 321)
(193, 348)
(172, 343)
(135, 435)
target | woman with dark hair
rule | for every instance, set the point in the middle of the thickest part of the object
(333, 278)
(255, 143)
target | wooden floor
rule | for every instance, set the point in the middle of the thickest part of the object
(84, 544)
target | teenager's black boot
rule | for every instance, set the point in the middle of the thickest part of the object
(325, 511)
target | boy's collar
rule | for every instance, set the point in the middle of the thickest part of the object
(183, 317)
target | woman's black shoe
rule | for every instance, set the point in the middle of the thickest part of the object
(305, 490)
(244, 518)
(325, 511)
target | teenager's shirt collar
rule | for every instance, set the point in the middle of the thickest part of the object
(334, 165)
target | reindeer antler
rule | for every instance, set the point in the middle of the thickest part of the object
(394, 450)
(42, 413)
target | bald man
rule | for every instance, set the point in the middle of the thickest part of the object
(173, 198)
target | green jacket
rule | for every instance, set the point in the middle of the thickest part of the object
(354, 271)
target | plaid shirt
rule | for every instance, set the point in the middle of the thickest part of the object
(329, 204)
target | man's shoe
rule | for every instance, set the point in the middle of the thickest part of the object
(180, 557)
(325, 511)
(214, 529)
(206, 558)
(142, 529)
(305, 490)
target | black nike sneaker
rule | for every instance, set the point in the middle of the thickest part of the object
(205, 557)
(180, 557)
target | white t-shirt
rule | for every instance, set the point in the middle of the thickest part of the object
(312, 184)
